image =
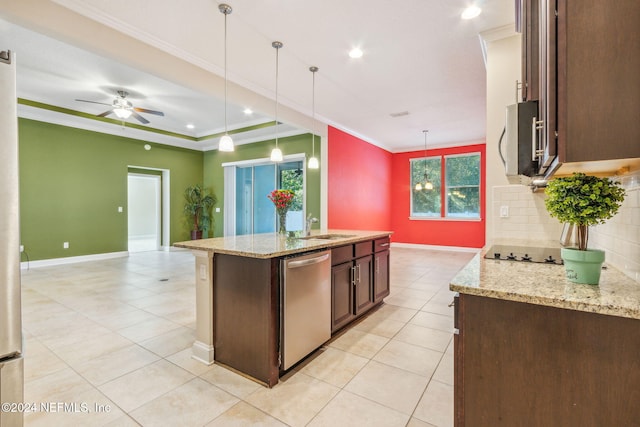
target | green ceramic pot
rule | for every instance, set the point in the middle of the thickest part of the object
(583, 266)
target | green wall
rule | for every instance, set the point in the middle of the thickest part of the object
(214, 173)
(72, 182)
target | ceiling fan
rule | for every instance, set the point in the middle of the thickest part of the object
(123, 108)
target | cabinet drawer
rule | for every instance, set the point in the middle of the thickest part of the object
(363, 248)
(341, 254)
(381, 244)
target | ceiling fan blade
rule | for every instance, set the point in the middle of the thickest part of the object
(144, 110)
(105, 114)
(93, 102)
(140, 118)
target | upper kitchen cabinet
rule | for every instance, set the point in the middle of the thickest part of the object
(587, 82)
(527, 20)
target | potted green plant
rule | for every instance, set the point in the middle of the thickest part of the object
(583, 200)
(197, 206)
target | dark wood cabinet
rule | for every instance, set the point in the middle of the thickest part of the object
(342, 295)
(380, 269)
(359, 280)
(363, 284)
(588, 57)
(528, 26)
(525, 364)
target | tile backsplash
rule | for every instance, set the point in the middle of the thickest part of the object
(528, 219)
(619, 237)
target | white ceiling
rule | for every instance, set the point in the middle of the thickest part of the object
(419, 57)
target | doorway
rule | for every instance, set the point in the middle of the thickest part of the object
(144, 217)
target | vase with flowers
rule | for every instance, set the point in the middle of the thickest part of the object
(282, 200)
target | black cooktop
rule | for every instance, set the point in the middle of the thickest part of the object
(524, 254)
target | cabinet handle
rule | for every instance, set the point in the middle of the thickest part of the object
(377, 265)
(384, 244)
(358, 267)
(536, 150)
(353, 276)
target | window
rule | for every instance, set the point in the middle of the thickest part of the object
(426, 203)
(457, 198)
(463, 186)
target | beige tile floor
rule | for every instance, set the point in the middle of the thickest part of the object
(113, 338)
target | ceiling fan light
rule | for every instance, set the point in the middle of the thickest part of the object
(226, 143)
(313, 163)
(428, 185)
(418, 187)
(122, 113)
(276, 155)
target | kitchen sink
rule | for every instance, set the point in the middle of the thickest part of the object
(327, 237)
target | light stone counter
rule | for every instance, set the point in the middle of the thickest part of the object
(272, 245)
(544, 284)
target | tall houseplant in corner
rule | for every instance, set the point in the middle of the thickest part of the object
(197, 206)
(583, 200)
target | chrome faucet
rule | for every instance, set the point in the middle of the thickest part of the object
(307, 228)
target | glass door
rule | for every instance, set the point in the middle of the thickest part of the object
(254, 212)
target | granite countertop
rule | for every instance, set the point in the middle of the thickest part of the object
(545, 284)
(272, 245)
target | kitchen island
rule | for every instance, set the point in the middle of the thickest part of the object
(239, 292)
(532, 348)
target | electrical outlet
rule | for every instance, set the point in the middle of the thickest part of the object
(217, 209)
(119, 208)
(504, 211)
(65, 245)
(21, 248)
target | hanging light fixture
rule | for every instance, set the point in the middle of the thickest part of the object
(276, 153)
(226, 143)
(428, 185)
(313, 161)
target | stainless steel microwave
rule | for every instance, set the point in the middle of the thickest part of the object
(517, 146)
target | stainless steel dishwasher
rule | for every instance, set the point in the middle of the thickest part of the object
(306, 305)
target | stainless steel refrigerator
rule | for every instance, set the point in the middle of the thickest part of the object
(11, 363)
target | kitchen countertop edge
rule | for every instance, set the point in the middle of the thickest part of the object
(271, 245)
(542, 284)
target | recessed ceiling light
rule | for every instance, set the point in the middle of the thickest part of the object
(471, 12)
(190, 126)
(248, 111)
(356, 52)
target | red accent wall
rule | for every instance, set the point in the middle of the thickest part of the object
(443, 232)
(369, 189)
(359, 175)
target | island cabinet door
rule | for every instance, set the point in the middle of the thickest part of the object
(342, 283)
(363, 284)
(380, 276)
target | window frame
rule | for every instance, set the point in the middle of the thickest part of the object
(447, 187)
(444, 188)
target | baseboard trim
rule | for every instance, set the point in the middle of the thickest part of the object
(25, 265)
(436, 248)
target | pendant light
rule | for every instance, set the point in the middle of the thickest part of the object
(226, 143)
(313, 161)
(276, 153)
(427, 184)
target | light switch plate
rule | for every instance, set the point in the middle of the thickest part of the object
(119, 208)
(504, 211)
(217, 209)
